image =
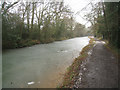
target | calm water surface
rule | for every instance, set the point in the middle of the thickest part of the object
(40, 66)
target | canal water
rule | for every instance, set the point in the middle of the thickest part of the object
(40, 66)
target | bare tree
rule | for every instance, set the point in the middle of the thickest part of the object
(33, 12)
(28, 15)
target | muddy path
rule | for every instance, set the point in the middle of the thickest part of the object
(99, 70)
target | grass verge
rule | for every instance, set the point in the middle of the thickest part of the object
(73, 70)
(114, 50)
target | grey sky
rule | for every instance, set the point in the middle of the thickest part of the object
(77, 5)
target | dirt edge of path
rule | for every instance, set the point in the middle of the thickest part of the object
(72, 73)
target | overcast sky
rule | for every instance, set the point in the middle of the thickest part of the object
(77, 5)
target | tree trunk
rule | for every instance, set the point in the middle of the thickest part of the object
(28, 15)
(105, 19)
(33, 8)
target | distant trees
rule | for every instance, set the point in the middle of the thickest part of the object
(28, 23)
(79, 30)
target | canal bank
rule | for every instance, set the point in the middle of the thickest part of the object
(72, 73)
(98, 69)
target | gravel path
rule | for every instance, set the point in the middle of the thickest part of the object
(99, 70)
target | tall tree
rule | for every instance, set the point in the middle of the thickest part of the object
(28, 15)
(33, 12)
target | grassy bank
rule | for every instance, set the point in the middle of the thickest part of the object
(73, 70)
(29, 42)
(19, 44)
(112, 49)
